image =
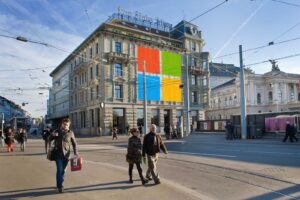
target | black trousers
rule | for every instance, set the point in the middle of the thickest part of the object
(290, 136)
(139, 168)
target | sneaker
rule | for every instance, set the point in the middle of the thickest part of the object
(148, 178)
(144, 181)
(130, 181)
(61, 190)
(157, 182)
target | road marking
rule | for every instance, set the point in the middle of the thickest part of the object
(271, 152)
(178, 187)
(98, 146)
(203, 154)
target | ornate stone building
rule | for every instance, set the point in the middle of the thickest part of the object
(106, 74)
(275, 91)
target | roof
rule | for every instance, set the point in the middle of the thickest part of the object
(119, 24)
(221, 69)
(231, 82)
(281, 73)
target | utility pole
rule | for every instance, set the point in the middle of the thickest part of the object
(242, 97)
(145, 97)
(2, 122)
(187, 97)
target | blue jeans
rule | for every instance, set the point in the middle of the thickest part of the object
(61, 165)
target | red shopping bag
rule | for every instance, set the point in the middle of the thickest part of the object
(76, 163)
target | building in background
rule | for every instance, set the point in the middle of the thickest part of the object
(221, 73)
(275, 91)
(11, 109)
(106, 75)
(58, 102)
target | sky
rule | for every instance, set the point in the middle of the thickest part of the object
(66, 23)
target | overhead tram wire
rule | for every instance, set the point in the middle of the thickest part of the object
(23, 39)
(287, 3)
(281, 58)
(209, 10)
(285, 32)
(272, 43)
(26, 69)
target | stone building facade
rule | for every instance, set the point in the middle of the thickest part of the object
(106, 74)
(275, 91)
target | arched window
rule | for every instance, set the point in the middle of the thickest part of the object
(270, 97)
(258, 98)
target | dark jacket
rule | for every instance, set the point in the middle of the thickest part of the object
(23, 136)
(152, 144)
(46, 134)
(63, 142)
(9, 138)
(289, 129)
(134, 150)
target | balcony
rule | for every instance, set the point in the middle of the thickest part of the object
(198, 70)
(113, 57)
(81, 66)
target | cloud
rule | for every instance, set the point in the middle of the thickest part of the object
(57, 16)
(16, 55)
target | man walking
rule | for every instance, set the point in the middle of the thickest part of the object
(64, 139)
(151, 146)
(288, 132)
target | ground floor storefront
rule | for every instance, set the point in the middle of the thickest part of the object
(97, 120)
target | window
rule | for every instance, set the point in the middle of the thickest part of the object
(98, 117)
(270, 97)
(204, 81)
(298, 96)
(226, 103)
(97, 92)
(97, 46)
(194, 79)
(155, 117)
(118, 47)
(118, 92)
(194, 97)
(75, 80)
(279, 94)
(92, 93)
(292, 93)
(91, 73)
(91, 52)
(258, 98)
(193, 46)
(82, 119)
(92, 118)
(118, 69)
(205, 65)
(205, 98)
(97, 70)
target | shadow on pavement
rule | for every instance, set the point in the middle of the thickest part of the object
(22, 154)
(36, 192)
(287, 192)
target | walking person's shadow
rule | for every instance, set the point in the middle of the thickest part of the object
(47, 191)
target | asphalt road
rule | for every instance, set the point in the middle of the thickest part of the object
(197, 167)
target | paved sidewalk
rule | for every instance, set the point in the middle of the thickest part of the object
(30, 176)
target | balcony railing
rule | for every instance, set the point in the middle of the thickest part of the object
(117, 57)
(81, 66)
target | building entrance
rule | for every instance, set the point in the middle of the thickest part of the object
(167, 117)
(119, 120)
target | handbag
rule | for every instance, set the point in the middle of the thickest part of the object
(52, 154)
(52, 151)
(76, 163)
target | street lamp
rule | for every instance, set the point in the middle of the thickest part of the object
(2, 134)
(145, 97)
